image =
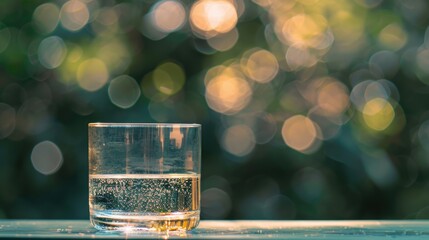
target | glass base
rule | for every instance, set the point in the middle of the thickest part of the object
(130, 222)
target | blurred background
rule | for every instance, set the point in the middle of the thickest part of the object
(311, 109)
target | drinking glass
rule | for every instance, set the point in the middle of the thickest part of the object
(144, 176)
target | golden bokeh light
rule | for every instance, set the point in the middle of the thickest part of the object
(216, 71)
(168, 16)
(46, 17)
(304, 31)
(74, 15)
(238, 140)
(328, 96)
(393, 36)
(211, 17)
(298, 58)
(300, 133)
(168, 78)
(260, 66)
(368, 90)
(115, 54)
(51, 52)
(92, 74)
(378, 114)
(333, 98)
(228, 93)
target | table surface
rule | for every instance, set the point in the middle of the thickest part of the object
(81, 229)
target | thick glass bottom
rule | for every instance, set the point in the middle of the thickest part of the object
(130, 222)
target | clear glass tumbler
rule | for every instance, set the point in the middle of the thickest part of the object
(144, 176)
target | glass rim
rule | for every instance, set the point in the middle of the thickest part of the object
(135, 124)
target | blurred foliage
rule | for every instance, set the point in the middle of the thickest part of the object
(310, 109)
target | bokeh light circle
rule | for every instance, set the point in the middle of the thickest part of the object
(393, 36)
(168, 78)
(333, 98)
(92, 74)
(124, 91)
(52, 51)
(298, 58)
(238, 140)
(211, 17)
(305, 31)
(74, 15)
(367, 90)
(46, 17)
(228, 94)
(299, 133)
(378, 114)
(168, 16)
(46, 157)
(261, 66)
